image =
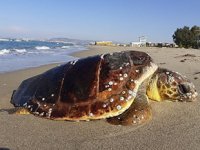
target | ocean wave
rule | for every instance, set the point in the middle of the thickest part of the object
(42, 47)
(18, 40)
(65, 47)
(20, 50)
(12, 51)
(4, 40)
(4, 51)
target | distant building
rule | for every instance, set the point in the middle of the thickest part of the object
(104, 43)
(149, 44)
(142, 42)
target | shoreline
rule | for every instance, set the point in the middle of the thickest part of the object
(164, 131)
(33, 67)
(95, 50)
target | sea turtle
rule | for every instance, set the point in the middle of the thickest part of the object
(102, 86)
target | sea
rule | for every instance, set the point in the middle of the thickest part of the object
(16, 54)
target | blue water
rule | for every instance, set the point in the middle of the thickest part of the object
(21, 54)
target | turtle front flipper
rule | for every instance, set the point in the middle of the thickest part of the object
(22, 111)
(139, 112)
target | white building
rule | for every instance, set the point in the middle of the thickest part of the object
(142, 42)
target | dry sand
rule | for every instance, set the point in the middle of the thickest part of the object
(173, 126)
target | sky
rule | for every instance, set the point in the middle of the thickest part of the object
(113, 20)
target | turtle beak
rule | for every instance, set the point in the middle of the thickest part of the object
(187, 92)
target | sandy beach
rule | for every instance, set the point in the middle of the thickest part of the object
(174, 125)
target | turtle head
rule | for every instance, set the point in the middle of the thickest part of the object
(165, 84)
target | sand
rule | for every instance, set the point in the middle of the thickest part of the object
(173, 126)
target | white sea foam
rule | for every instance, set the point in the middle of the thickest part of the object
(18, 40)
(20, 50)
(4, 51)
(20, 55)
(42, 47)
(65, 47)
(4, 40)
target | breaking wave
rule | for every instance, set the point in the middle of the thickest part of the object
(20, 50)
(42, 47)
(65, 47)
(4, 51)
(20, 53)
(12, 51)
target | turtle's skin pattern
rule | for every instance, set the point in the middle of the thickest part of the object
(102, 86)
(170, 85)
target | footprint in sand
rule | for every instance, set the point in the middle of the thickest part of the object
(196, 73)
(183, 60)
(188, 56)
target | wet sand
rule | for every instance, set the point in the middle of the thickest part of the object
(173, 126)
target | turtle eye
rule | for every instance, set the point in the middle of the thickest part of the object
(184, 88)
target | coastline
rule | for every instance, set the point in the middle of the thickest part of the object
(173, 126)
